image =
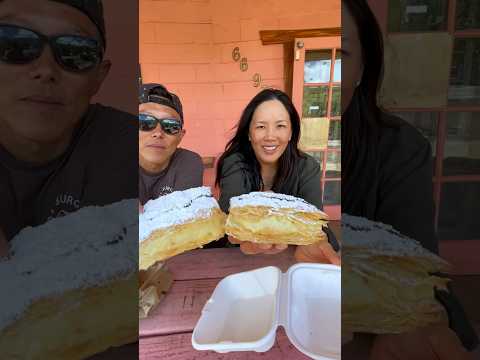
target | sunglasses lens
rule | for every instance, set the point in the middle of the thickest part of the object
(18, 45)
(78, 53)
(147, 123)
(171, 126)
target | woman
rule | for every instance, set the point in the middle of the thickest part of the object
(386, 163)
(386, 173)
(264, 156)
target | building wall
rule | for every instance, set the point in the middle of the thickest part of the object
(120, 88)
(187, 45)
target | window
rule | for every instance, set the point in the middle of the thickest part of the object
(467, 15)
(321, 112)
(453, 130)
(465, 72)
(417, 15)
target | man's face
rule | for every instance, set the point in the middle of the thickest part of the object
(40, 101)
(156, 147)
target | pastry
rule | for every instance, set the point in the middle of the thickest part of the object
(271, 218)
(387, 281)
(66, 282)
(177, 222)
(153, 285)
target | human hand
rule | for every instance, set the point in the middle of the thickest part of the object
(434, 342)
(251, 248)
(319, 252)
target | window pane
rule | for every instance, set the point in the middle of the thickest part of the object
(462, 144)
(334, 165)
(314, 134)
(318, 155)
(459, 209)
(334, 134)
(465, 72)
(336, 102)
(337, 71)
(467, 15)
(417, 15)
(317, 66)
(332, 193)
(315, 101)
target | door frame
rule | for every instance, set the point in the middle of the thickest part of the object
(317, 43)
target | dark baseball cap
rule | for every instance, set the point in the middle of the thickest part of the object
(94, 10)
(156, 93)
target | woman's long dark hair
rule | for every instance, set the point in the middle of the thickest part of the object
(362, 120)
(288, 162)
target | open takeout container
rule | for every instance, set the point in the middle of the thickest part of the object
(245, 310)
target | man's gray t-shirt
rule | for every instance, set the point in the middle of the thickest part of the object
(96, 169)
(185, 171)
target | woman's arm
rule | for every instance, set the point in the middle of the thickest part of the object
(310, 188)
(405, 196)
(234, 181)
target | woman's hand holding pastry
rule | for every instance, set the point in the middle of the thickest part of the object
(250, 248)
(319, 252)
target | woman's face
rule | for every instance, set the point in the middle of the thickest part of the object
(270, 131)
(352, 63)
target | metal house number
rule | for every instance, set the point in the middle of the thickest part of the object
(236, 54)
(244, 64)
(257, 80)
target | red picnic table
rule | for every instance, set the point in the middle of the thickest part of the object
(167, 332)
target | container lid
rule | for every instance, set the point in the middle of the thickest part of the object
(313, 310)
(245, 310)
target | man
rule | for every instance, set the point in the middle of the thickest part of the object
(58, 152)
(163, 166)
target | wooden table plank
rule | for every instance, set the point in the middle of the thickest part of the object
(218, 263)
(180, 310)
(179, 347)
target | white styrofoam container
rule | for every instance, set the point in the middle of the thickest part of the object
(245, 310)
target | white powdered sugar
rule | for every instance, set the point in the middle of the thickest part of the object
(176, 208)
(273, 200)
(87, 248)
(362, 237)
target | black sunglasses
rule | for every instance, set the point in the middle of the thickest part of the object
(75, 53)
(169, 126)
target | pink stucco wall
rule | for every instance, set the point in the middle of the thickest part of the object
(187, 45)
